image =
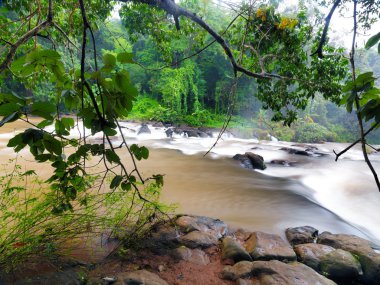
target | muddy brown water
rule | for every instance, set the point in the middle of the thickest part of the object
(316, 191)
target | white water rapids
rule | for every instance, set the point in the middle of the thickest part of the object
(340, 197)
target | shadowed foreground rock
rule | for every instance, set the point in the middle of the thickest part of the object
(232, 250)
(275, 273)
(368, 258)
(140, 277)
(192, 250)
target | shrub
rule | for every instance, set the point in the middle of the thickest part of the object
(313, 133)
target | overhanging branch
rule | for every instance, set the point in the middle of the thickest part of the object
(173, 9)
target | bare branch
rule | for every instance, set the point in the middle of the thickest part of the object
(337, 155)
(319, 50)
(173, 9)
(357, 101)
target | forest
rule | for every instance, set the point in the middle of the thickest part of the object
(74, 71)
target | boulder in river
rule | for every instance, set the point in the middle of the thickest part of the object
(311, 253)
(251, 160)
(340, 265)
(144, 129)
(169, 133)
(264, 246)
(359, 247)
(299, 235)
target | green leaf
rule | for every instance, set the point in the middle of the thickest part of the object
(8, 108)
(10, 118)
(126, 186)
(144, 152)
(109, 60)
(68, 123)
(372, 41)
(52, 145)
(125, 57)
(109, 131)
(116, 181)
(122, 81)
(111, 156)
(15, 141)
(44, 124)
(43, 109)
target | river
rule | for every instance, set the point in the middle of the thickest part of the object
(340, 197)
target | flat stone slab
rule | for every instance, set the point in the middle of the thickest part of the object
(203, 224)
(275, 272)
(140, 277)
(197, 239)
(263, 246)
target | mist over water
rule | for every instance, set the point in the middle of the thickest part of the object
(340, 197)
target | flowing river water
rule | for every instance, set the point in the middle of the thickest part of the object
(340, 197)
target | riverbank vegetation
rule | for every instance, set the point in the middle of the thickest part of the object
(190, 62)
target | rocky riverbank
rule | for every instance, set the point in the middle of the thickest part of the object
(200, 251)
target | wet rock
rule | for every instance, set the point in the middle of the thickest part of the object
(263, 246)
(169, 133)
(296, 151)
(340, 265)
(144, 129)
(138, 277)
(242, 269)
(244, 160)
(163, 237)
(299, 235)
(203, 224)
(278, 273)
(202, 134)
(306, 146)
(196, 256)
(282, 162)
(311, 254)
(256, 160)
(232, 250)
(196, 239)
(158, 125)
(349, 243)
(251, 160)
(191, 133)
(361, 248)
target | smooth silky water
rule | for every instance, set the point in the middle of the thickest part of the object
(340, 197)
